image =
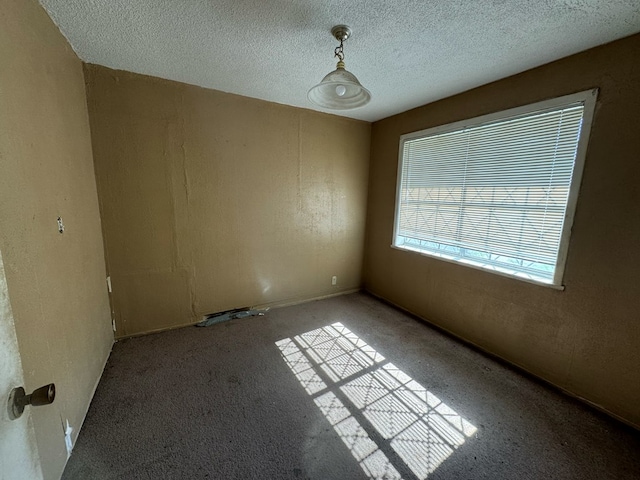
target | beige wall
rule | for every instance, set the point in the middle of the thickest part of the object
(585, 339)
(212, 201)
(56, 282)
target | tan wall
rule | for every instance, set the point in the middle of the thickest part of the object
(585, 339)
(56, 282)
(212, 201)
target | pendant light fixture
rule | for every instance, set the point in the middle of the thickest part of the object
(340, 89)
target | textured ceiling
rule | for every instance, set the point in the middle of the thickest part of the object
(407, 53)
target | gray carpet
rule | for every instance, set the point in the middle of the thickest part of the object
(343, 388)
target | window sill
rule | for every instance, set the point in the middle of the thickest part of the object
(477, 266)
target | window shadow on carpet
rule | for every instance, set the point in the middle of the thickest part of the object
(394, 427)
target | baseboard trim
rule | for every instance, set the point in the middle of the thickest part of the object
(505, 361)
(275, 304)
(298, 301)
(157, 330)
(86, 410)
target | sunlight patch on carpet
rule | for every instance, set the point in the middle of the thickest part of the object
(363, 396)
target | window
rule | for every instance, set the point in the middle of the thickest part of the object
(496, 192)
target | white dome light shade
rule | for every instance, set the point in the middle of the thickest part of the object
(339, 90)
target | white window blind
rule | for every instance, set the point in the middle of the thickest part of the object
(494, 194)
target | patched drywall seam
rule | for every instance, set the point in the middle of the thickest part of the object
(192, 274)
(181, 261)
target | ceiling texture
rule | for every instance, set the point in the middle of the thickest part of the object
(406, 52)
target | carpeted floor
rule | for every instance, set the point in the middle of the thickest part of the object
(343, 388)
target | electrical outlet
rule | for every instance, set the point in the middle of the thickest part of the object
(334, 280)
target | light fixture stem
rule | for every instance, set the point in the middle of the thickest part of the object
(339, 51)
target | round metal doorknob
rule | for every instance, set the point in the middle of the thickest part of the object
(18, 399)
(43, 395)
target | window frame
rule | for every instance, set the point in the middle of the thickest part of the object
(589, 99)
